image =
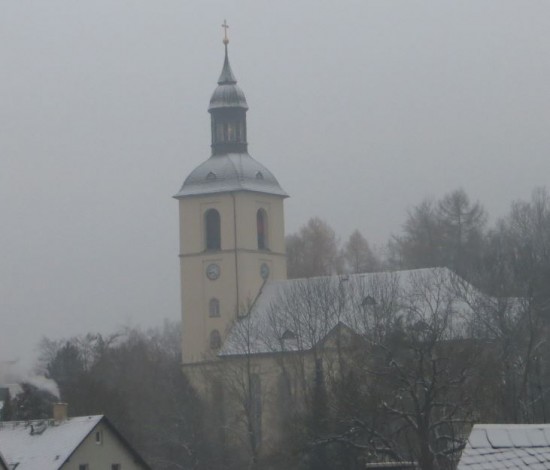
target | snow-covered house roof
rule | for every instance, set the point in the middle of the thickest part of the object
(47, 444)
(509, 446)
(297, 314)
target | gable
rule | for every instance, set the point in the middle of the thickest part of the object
(102, 448)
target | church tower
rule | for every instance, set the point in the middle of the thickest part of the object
(231, 228)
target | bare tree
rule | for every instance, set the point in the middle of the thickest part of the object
(313, 251)
(382, 363)
(358, 255)
(135, 378)
(237, 395)
(421, 244)
(516, 262)
(426, 366)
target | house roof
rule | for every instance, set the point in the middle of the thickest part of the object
(297, 314)
(507, 446)
(46, 445)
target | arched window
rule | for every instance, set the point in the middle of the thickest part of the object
(256, 408)
(217, 404)
(214, 307)
(261, 224)
(212, 229)
(285, 400)
(215, 339)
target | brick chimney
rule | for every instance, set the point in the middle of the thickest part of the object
(60, 412)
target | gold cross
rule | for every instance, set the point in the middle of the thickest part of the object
(225, 26)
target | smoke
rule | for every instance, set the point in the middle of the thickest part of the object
(42, 383)
(11, 375)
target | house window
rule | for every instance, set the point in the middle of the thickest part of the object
(261, 223)
(116, 466)
(83, 466)
(99, 438)
(214, 307)
(215, 340)
(212, 229)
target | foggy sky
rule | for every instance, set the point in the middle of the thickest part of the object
(360, 109)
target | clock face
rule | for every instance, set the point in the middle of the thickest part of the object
(213, 271)
(264, 271)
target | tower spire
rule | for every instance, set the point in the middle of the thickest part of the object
(226, 77)
(228, 110)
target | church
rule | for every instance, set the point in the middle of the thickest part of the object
(256, 346)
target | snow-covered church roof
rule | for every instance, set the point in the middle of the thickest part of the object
(297, 314)
(230, 172)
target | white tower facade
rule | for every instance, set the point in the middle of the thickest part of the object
(231, 228)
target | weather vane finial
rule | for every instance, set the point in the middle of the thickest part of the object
(225, 38)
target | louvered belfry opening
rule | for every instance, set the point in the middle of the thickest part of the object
(228, 131)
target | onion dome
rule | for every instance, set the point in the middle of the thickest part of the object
(227, 94)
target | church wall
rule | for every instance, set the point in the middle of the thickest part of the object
(226, 411)
(222, 386)
(197, 290)
(240, 276)
(250, 258)
(192, 226)
(248, 204)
